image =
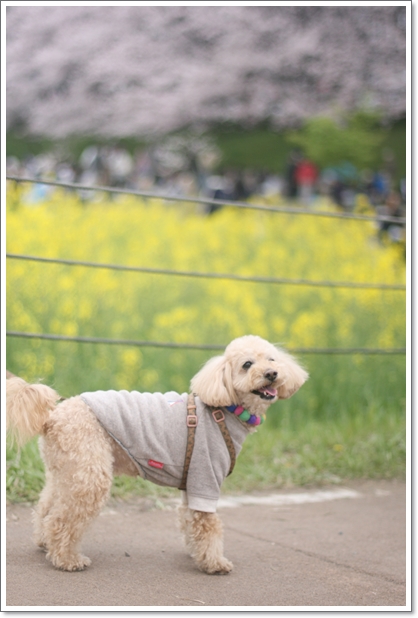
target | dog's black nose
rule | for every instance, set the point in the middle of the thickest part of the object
(270, 375)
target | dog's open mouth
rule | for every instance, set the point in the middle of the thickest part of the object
(267, 392)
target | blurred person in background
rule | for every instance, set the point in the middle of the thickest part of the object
(379, 188)
(290, 174)
(393, 208)
(306, 175)
(119, 165)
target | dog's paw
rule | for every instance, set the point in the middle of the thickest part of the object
(76, 562)
(42, 546)
(39, 540)
(218, 567)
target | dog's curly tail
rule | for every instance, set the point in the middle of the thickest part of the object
(27, 408)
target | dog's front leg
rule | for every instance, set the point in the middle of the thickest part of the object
(203, 534)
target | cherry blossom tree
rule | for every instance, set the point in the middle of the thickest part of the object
(147, 70)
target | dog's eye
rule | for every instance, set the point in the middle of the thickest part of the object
(247, 365)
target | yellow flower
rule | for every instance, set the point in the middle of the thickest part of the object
(108, 303)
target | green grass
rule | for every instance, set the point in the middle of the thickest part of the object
(316, 452)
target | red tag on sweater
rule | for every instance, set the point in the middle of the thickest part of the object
(155, 464)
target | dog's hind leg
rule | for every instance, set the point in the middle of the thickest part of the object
(73, 509)
(203, 534)
(67, 520)
(78, 456)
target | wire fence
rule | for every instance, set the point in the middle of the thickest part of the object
(198, 346)
(212, 201)
(227, 276)
(210, 275)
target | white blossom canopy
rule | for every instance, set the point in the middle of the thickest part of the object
(140, 70)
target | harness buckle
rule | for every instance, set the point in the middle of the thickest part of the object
(191, 420)
(218, 419)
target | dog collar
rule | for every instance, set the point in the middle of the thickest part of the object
(245, 416)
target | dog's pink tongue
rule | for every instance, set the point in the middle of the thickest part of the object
(270, 391)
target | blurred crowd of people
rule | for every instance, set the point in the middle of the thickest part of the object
(352, 190)
(158, 170)
(178, 170)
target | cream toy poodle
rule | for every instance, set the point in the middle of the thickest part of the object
(177, 440)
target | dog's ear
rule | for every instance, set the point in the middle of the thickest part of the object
(213, 383)
(295, 377)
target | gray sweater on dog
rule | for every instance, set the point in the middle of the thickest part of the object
(151, 428)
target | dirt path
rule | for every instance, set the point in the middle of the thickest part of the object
(303, 549)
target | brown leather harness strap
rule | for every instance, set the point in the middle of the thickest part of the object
(219, 418)
(191, 425)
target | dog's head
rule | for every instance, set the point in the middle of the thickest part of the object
(252, 372)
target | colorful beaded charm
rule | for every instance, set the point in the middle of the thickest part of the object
(245, 416)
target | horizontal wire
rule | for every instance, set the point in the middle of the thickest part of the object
(185, 273)
(198, 346)
(154, 344)
(208, 200)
